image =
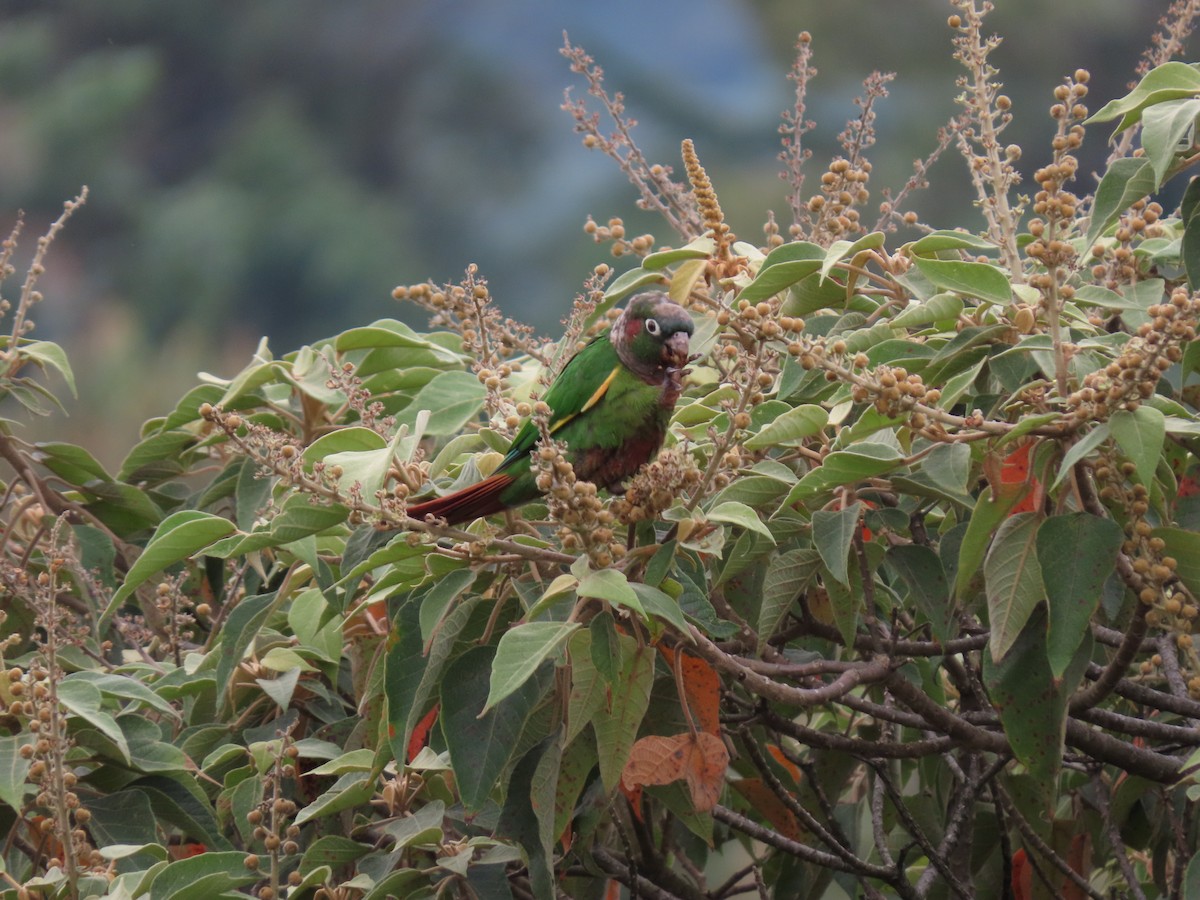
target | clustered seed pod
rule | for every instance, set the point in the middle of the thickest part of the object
(1129, 379)
(654, 488)
(585, 523)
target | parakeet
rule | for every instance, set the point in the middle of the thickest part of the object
(610, 404)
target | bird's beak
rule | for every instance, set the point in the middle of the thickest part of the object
(675, 350)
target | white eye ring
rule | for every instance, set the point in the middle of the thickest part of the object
(653, 327)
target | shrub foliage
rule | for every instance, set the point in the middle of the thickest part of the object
(904, 607)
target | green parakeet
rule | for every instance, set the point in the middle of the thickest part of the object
(610, 404)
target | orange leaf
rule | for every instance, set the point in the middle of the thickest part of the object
(777, 754)
(1015, 476)
(700, 759)
(702, 689)
(420, 734)
(634, 796)
(1022, 876)
(774, 810)
(1188, 486)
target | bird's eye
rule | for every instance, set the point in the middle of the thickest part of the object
(653, 327)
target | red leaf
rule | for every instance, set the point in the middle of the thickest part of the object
(702, 689)
(777, 754)
(769, 806)
(420, 734)
(701, 759)
(1022, 876)
(1015, 476)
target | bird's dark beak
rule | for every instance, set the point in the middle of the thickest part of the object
(675, 350)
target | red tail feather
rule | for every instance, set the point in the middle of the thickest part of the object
(480, 499)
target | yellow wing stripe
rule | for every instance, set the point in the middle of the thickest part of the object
(592, 400)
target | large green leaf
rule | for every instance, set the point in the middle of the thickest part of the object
(1125, 181)
(179, 536)
(1140, 436)
(482, 744)
(973, 279)
(1170, 81)
(1013, 579)
(203, 877)
(452, 398)
(925, 576)
(299, 517)
(790, 428)
(783, 267)
(833, 535)
(13, 769)
(522, 649)
(787, 575)
(1166, 128)
(629, 700)
(1076, 553)
(1032, 701)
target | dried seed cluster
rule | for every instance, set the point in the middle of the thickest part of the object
(584, 522)
(1131, 377)
(1114, 261)
(656, 486)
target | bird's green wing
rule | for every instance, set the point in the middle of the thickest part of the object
(579, 386)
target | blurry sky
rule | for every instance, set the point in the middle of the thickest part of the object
(275, 168)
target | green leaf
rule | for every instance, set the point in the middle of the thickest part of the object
(48, 354)
(73, 464)
(354, 789)
(1189, 248)
(1080, 449)
(735, 513)
(787, 576)
(441, 596)
(840, 251)
(298, 518)
(697, 248)
(629, 698)
(833, 535)
(1164, 129)
(241, 628)
(783, 267)
(1140, 436)
(973, 279)
(589, 682)
(1184, 546)
(521, 650)
(13, 769)
(1077, 553)
(628, 282)
(452, 398)
(528, 813)
(940, 307)
(179, 536)
(85, 700)
(846, 467)
(1170, 81)
(1033, 701)
(1126, 181)
(1013, 579)
(925, 576)
(610, 585)
(790, 428)
(937, 241)
(660, 605)
(203, 877)
(846, 601)
(482, 744)
(125, 688)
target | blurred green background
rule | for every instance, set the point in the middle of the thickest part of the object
(277, 167)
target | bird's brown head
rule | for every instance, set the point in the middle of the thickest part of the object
(651, 336)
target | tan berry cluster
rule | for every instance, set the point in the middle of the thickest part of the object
(843, 188)
(614, 231)
(65, 819)
(1129, 379)
(894, 391)
(276, 453)
(584, 522)
(344, 378)
(176, 614)
(467, 310)
(1114, 262)
(656, 485)
(271, 821)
